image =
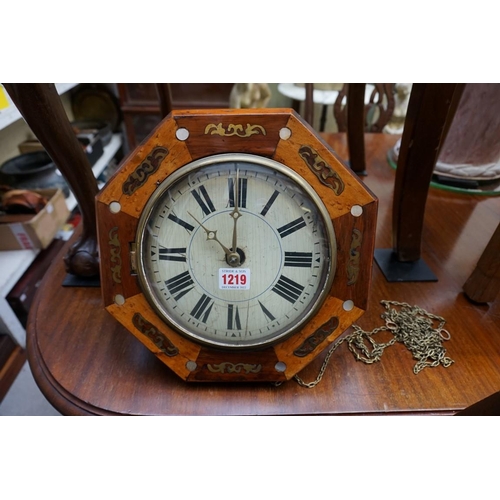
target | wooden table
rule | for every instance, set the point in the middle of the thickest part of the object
(86, 363)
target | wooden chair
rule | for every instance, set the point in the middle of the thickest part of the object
(429, 116)
(483, 284)
(43, 111)
(430, 113)
(356, 117)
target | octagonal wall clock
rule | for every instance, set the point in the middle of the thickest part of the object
(235, 245)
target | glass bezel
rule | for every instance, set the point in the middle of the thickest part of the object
(190, 168)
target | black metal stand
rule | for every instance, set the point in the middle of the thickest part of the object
(394, 270)
(72, 280)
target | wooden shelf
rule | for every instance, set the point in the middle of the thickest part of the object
(10, 115)
(109, 152)
(15, 262)
(10, 369)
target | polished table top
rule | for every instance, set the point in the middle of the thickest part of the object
(87, 363)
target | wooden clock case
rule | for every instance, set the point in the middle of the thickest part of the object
(279, 134)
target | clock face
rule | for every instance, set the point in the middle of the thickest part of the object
(235, 251)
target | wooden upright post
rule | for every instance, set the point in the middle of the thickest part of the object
(41, 107)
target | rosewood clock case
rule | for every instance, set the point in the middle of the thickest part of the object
(279, 135)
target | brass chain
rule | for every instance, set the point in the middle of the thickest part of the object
(411, 325)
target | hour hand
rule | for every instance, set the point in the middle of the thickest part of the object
(211, 235)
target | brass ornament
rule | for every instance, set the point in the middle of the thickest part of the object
(322, 169)
(114, 243)
(234, 368)
(232, 129)
(308, 346)
(140, 175)
(152, 333)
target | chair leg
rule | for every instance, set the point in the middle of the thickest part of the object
(356, 127)
(43, 111)
(165, 98)
(309, 104)
(483, 284)
(430, 112)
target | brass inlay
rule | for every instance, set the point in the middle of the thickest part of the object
(114, 243)
(323, 171)
(232, 129)
(353, 264)
(232, 368)
(313, 341)
(140, 175)
(152, 333)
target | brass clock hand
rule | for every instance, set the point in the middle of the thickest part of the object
(232, 258)
(236, 214)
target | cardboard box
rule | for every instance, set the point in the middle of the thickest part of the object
(40, 230)
(30, 146)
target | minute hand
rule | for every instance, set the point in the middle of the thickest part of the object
(236, 214)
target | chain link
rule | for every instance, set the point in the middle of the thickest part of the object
(410, 325)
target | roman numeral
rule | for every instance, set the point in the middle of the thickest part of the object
(269, 203)
(202, 307)
(165, 254)
(298, 259)
(207, 207)
(181, 222)
(266, 311)
(180, 285)
(288, 289)
(291, 227)
(242, 192)
(233, 318)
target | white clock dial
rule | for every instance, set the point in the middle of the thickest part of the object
(235, 251)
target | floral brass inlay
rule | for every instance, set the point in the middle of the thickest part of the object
(140, 175)
(232, 368)
(232, 129)
(323, 171)
(353, 264)
(313, 341)
(152, 333)
(114, 243)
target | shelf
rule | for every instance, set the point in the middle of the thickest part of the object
(109, 152)
(14, 263)
(10, 114)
